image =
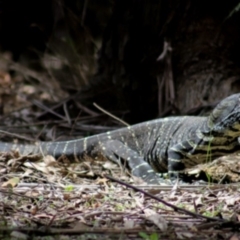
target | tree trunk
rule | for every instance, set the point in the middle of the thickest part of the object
(201, 65)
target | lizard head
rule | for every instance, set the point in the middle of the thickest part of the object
(225, 116)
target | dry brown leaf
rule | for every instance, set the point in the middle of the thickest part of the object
(90, 173)
(230, 201)
(5, 80)
(50, 161)
(109, 165)
(235, 237)
(139, 201)
(199, 201)
(34, 210)
(40, 166)
(80, 225)
(49, 166)
(43, 215)
(66, 196)
(129, 223)
(102, 181)
(27, 172)
(184, 235)
(156, 218)
(11, 183)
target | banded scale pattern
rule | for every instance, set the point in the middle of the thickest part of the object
(158, 146)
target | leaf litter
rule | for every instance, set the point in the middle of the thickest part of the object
(43, 197)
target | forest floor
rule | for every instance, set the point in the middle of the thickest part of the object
(42, 198)
(45, 198)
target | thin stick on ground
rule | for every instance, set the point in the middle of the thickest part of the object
(175, 208)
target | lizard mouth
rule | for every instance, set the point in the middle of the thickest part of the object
(225, 114)
(231, 123)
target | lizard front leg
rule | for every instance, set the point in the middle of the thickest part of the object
(175, 163)
(116, 151)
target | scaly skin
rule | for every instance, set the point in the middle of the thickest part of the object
(163, 145)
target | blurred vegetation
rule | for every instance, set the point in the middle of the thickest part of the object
(105, 51)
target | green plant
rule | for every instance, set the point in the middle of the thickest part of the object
(69, 188)
(153, 236)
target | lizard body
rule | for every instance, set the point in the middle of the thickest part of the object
(162, 145)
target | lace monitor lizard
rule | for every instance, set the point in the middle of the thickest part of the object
(163, 145)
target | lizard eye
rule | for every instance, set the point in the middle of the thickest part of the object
(227, 108)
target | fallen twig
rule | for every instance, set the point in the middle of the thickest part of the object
(175, 208)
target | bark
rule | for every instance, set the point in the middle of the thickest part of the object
(204, 62)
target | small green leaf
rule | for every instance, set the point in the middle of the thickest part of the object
(40, 198)
(154, 236)
(69, 188)
(143, 235)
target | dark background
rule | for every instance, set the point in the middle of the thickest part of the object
(106, 51)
